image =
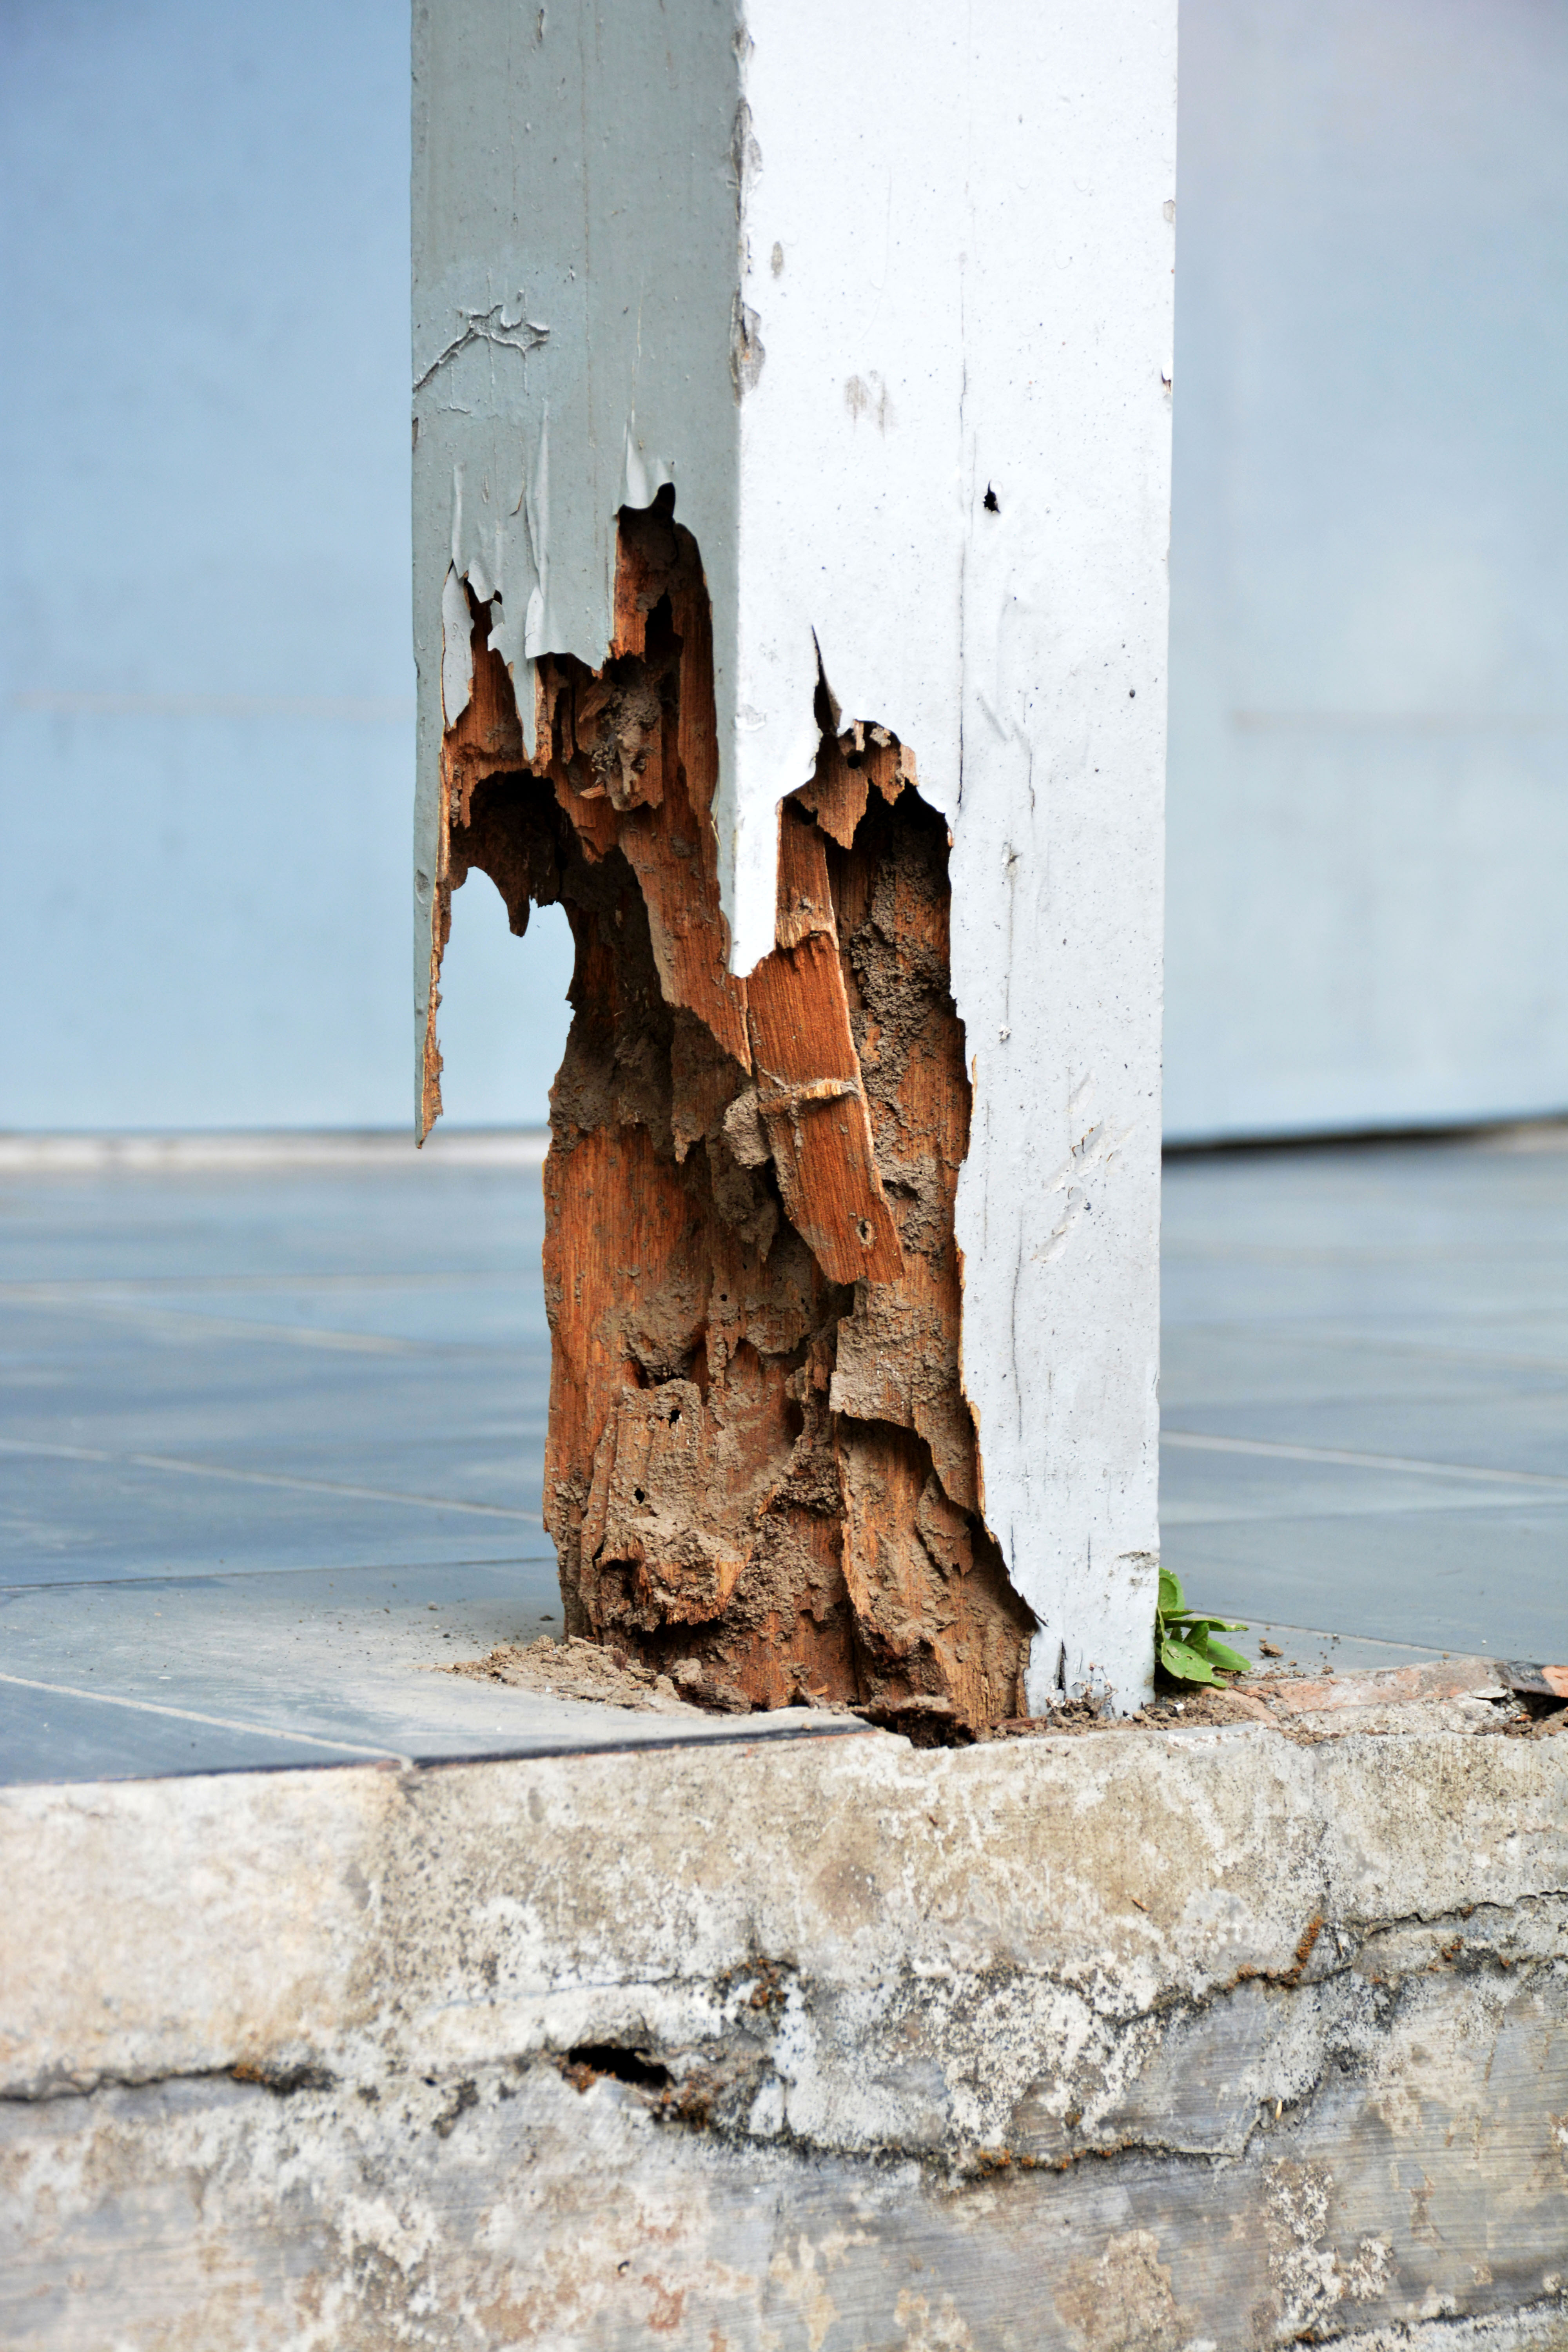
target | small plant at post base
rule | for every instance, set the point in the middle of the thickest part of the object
(1185, 1642)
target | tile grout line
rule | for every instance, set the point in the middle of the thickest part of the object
(39, 1448)
(212, 1722)
(126, 1289)
(1272, 1331)
(144, 1579)
(1278, 1450)
(191, 1324)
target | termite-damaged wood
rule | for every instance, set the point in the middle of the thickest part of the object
(761, 1472)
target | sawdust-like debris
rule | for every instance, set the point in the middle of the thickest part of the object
(577, 1669)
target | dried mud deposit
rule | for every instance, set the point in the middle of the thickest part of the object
(759, 1463)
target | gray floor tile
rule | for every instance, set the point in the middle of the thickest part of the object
(273, 1442)
(1403, 1309)
(221, 1673)
(1257, 1364)
(1479, 1580)
(1512, 1432)
(1222, 1480)
(70, 1518)
(54, 1734)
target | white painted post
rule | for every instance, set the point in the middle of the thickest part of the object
(887, 297)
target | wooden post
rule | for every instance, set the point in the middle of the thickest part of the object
(791, 467)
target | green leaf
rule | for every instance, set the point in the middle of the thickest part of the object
(1214, 1625)
(1172, 1602)
(1185, 1662)
(1231, 1660)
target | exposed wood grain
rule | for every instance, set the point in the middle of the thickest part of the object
(836, 792)
(813, 1110)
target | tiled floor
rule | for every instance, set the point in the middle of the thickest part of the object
(1365, 1389)
(273, 1435)
(272, 1452)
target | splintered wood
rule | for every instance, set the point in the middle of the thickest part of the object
(760, 1477)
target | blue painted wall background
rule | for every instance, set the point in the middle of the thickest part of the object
(1368, 647)
(206, 685)
(205, 680)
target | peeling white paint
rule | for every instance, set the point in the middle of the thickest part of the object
(887, 301)
(456, 650)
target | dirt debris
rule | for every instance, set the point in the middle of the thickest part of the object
(1463, 1695)
(1168, 1712)
(1363, 1704)
(577, 1669)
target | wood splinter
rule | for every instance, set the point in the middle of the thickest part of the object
(761, 1474)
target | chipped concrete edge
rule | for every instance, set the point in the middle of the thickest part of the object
(1229, 2035)
(1540, 2327)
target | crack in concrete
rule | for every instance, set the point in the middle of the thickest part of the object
(767, 1985)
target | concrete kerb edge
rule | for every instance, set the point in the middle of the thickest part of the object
(1266, 1985)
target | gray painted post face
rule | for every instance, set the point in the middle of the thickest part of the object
(575, 227)
(888, 302)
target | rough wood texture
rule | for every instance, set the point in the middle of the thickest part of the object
(762, 1474)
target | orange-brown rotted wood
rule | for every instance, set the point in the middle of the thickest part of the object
(898, 1354)
(618, 1238)
(838, 791)
(761, 1475)
(804, 897)
(690, 941)
(808, 1093)
(487, 736)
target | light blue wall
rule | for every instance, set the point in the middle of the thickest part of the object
(205, 680)
(204, 213)
(1369, 662)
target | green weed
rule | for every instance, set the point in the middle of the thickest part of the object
(1184, 1642)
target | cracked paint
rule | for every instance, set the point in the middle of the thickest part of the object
(493, 327)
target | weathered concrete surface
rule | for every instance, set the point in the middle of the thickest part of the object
(1137, 2038)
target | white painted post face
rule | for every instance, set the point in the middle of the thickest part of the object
(888, 298)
